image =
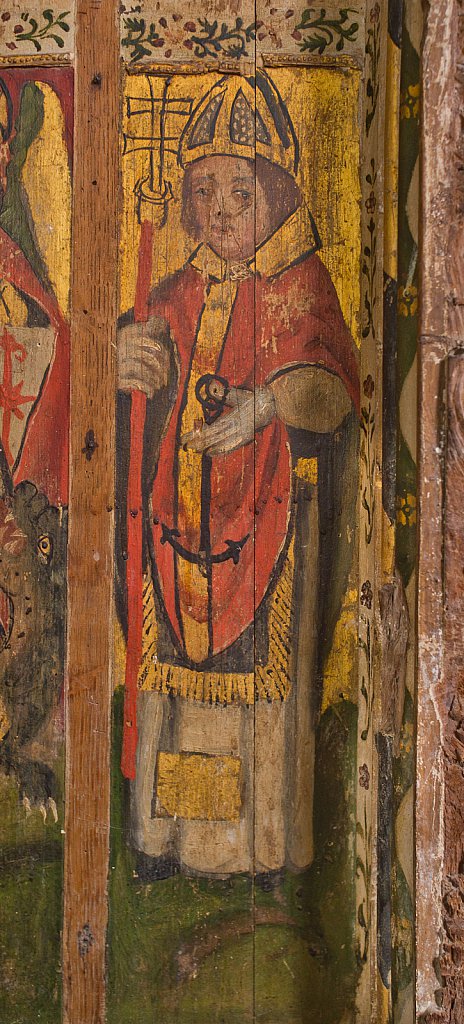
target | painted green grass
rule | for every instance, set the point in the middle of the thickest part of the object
(294, 965)
(184, 951)
(31, 887)
(31, 858)
(30, 944)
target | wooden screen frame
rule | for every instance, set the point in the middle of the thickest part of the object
(94, 308)
(90, 562)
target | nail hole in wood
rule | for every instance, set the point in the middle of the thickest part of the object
(90, 445)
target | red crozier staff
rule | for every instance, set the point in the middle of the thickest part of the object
(156, 202)
(135, 521)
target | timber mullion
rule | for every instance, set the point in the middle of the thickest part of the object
(90, 550)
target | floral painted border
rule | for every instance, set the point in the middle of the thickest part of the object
(368, 453)
(28, 29)
(201, 38)
(150, 31)
(373, 55)
(370, 509)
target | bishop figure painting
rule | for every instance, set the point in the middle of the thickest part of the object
(237, 427)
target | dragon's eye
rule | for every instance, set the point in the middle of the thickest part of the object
(45, 547)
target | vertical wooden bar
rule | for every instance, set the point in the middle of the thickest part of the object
(90, 553)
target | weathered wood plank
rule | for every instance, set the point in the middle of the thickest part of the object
(441, 332)
(90, 559)
(453, 697)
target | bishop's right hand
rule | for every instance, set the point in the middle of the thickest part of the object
(144, 356)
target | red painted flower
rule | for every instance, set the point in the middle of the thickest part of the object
(369, 386)
(174, 33)
(371, 202)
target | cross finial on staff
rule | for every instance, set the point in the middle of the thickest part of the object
(166, 117)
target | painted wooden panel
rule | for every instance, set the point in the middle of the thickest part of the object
(35, 200)
(240, 301)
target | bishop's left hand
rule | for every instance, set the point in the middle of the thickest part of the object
(250, 411)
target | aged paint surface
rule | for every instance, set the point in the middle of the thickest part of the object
(35, 196)
(248, 663)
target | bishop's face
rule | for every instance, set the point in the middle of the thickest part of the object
(229, 206)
